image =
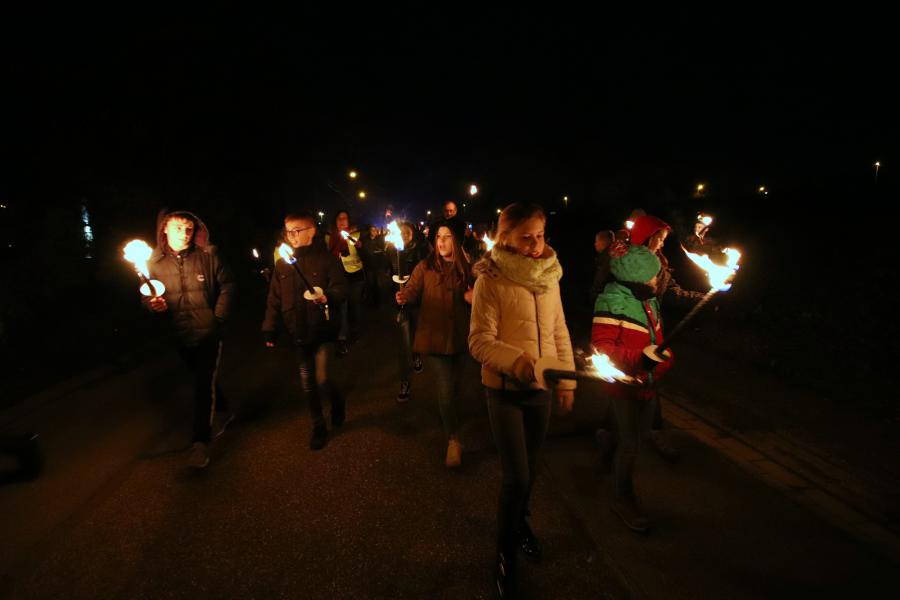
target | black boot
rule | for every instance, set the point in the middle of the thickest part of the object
(529, 544)
(507, 584)
(319, 437)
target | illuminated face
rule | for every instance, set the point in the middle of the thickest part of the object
(299, 232)
(373, 232)
(179, 233)
(449, 210)
(527, 238)
(656, 241)
(343, 221)
(601, 242)
(443, 241)
(406, 233)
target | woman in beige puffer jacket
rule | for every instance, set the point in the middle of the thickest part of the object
(517, 317)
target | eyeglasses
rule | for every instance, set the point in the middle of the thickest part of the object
(295, 232)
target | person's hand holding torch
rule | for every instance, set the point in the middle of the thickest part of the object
(137, 252)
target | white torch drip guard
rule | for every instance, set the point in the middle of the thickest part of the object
(157, 285)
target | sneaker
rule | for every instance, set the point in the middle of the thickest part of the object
(629, 510)
(454, 453)
(319, 437)
(199, 456)
(660, 441)
(418, 367)
(403, 396)
(221, 420)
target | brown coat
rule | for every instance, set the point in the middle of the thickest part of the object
(443, 325)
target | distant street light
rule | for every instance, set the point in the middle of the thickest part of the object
(362, 195)
(352, 174)
(700, 188)
(566, 201)
(877, 166)
(473, 189)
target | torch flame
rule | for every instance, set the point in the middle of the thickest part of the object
(287, 253)
(706, 220)
(138, 253)
(394, 235)
(629, 225)
(720, 276)
(605, 368)
(345, 235)
(488, 242)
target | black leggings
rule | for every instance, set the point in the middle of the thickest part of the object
(519, 421)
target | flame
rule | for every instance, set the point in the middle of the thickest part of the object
(345, 235)
(394, 235)
(706, 220)
(255, 253)
(720, 276)
(488, 242)
(138, 253)
(605, 368)
(629, 225)
(287, 253)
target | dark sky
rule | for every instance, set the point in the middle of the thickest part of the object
(528, 102)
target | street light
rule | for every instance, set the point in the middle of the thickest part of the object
(763, 190)
(362, 195)
(352, 174)
(473, 189)
(428, 213)
(566, 201)
(877, 166)
(700, 187)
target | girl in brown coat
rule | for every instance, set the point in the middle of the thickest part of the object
(440, 285)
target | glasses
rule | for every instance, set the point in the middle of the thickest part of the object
(296, 232)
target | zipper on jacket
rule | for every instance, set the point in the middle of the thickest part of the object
(180, 261)
(537, 323)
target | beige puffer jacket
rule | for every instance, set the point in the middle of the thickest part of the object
(516, 308)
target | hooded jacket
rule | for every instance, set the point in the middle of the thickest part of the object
(199, 287)
(517, 308)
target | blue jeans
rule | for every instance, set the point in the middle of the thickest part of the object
(633, 419)
(447, 370)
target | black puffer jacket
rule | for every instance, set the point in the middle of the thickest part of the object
(199, 287)
(286, 306)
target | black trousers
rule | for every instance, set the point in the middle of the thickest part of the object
(203, 362)
(313, 360)
(519, 422)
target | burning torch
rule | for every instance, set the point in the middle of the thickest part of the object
(488, 242)
(395, 238)
(720, 280)
(312, 292)
(137, 252)
(601, 368)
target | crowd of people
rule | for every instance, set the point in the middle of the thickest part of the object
(456, 301)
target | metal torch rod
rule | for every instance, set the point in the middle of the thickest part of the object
(557, 374)
(687, 319)
(145, 279)
(309, 286)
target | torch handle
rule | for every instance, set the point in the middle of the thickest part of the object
(557, 374)
(150, 286)
(687, 319)
(309, 287)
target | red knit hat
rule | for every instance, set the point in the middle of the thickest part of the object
(644, 228)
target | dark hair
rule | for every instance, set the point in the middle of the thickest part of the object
(300, 215)
(462, 267)
(180, 214)
(516, 213)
